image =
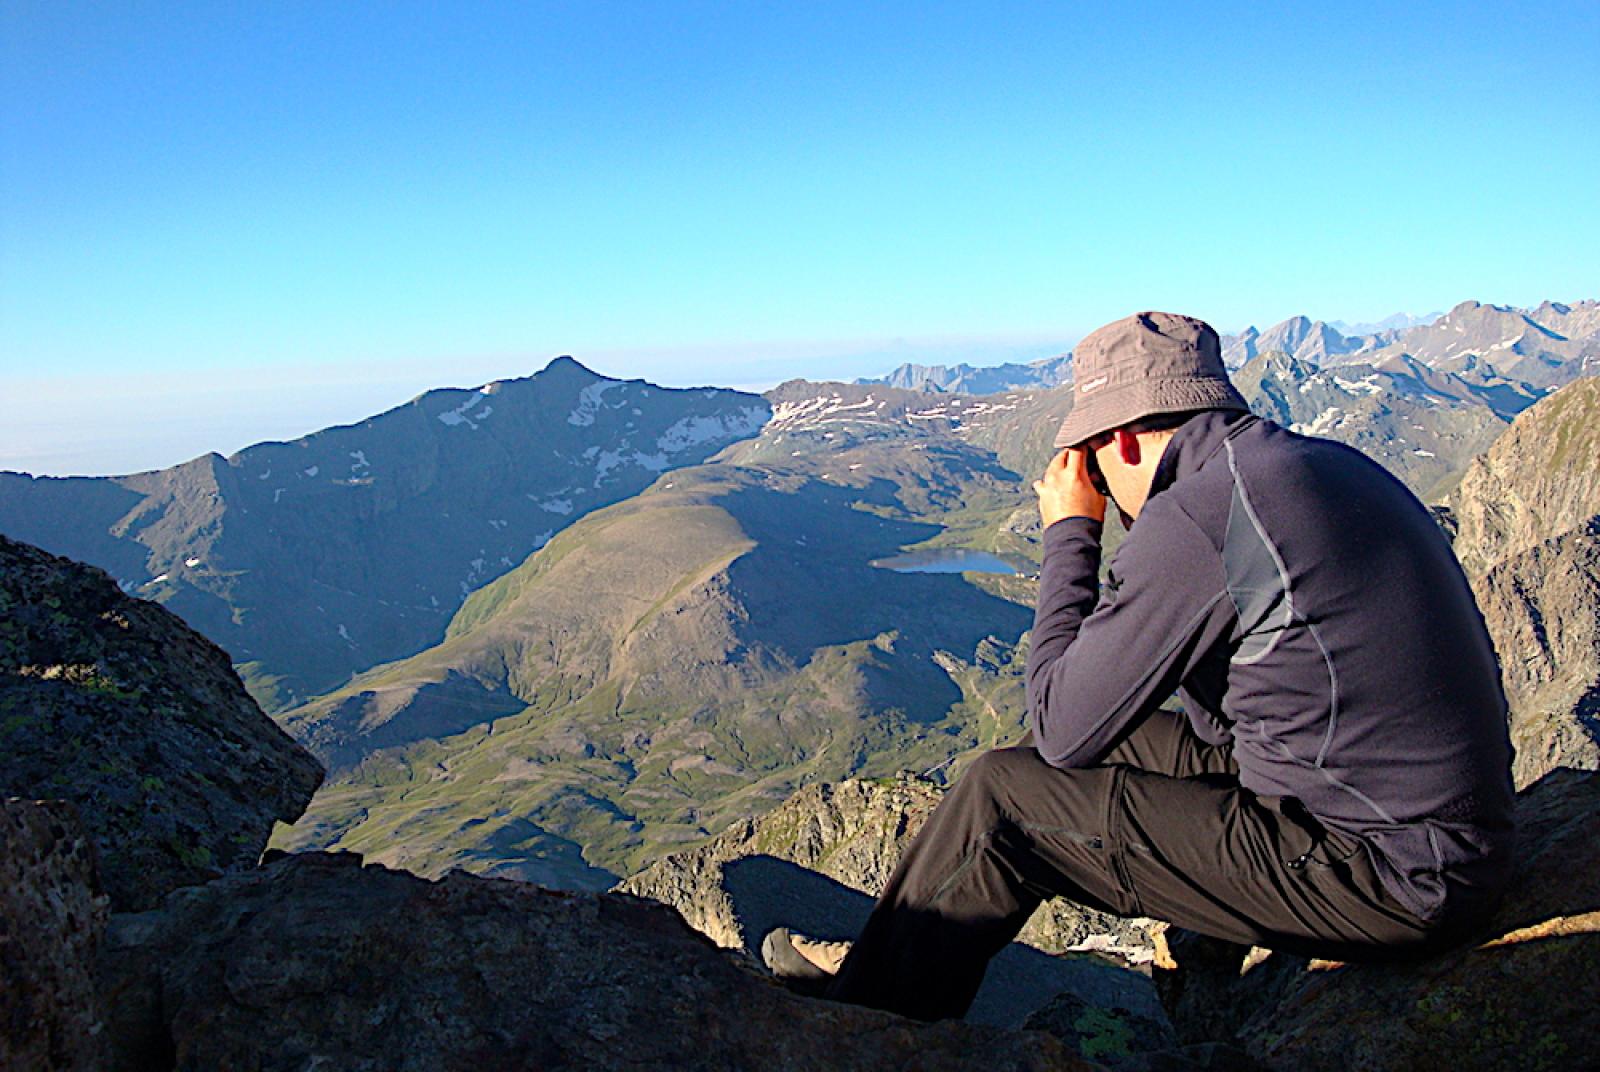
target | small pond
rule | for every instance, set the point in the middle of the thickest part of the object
(951, 560)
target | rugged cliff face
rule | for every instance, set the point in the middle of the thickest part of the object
(1539, 480)
(1543, 609)
(1528, 516)
(116, 705)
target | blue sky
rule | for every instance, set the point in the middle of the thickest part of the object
(227, 222)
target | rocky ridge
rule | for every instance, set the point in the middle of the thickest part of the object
(1528, 534)
(966, 379)
(393, 972)
(114, 704)
(1538, 480)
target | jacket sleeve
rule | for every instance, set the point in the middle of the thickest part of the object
(1098, 667)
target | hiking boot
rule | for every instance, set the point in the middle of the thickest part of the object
(804, 965)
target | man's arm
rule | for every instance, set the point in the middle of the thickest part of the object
(1095, 670)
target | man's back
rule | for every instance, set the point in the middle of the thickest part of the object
(1358, 676)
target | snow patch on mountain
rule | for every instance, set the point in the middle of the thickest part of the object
(1323, 423)
(695, 430)
(460, 416)
(590, 399)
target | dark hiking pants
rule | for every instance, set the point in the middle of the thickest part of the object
(1161, 829)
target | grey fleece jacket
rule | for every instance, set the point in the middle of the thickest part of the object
(1310, 615)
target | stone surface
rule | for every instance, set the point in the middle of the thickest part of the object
(114, 704)
(315, 961)
(1099, 1033)
(1203, 982)
(52, 917)
(1540, 479)
(1542, 607)
(1521, 995)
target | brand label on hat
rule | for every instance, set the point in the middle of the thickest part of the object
(1093, 385)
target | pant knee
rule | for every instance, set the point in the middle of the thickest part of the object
(993, 780)
(1000, 766)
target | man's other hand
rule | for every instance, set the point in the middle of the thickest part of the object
(1065, 491)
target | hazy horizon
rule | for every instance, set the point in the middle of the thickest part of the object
(135, 423)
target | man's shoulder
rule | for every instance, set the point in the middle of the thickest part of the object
(1167, 526)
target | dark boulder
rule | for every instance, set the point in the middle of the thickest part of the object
(52, 917)
(317, 961)
(116, 705)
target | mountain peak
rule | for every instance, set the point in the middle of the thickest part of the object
(567, 364)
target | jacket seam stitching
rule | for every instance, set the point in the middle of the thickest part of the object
(1293, 614)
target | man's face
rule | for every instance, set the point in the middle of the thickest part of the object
(1097, 472)
(1092, 463)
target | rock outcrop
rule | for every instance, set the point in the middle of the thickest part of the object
(852, 832)
(1540, 479)
(116, 705)
(1543, 610)
(52, 917)
(315, 961)
(1528, 534)
(1519, 995)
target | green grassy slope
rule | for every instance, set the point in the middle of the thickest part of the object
(674, 662)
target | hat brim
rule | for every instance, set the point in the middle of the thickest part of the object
(1124, 404)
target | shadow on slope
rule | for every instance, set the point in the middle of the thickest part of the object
(808, 584)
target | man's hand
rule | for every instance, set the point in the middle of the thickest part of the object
(1065, 491)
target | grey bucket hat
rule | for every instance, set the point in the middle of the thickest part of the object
(1142, 365)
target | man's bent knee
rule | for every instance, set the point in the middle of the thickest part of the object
(1002, 766)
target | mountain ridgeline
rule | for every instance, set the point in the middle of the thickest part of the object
(556, 627)
(314, 559)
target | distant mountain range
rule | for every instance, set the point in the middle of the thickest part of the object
(556, 626)
(967, 379)
(1393, 322)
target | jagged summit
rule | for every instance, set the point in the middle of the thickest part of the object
(967, 379)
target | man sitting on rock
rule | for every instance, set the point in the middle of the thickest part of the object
(1338, 782)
